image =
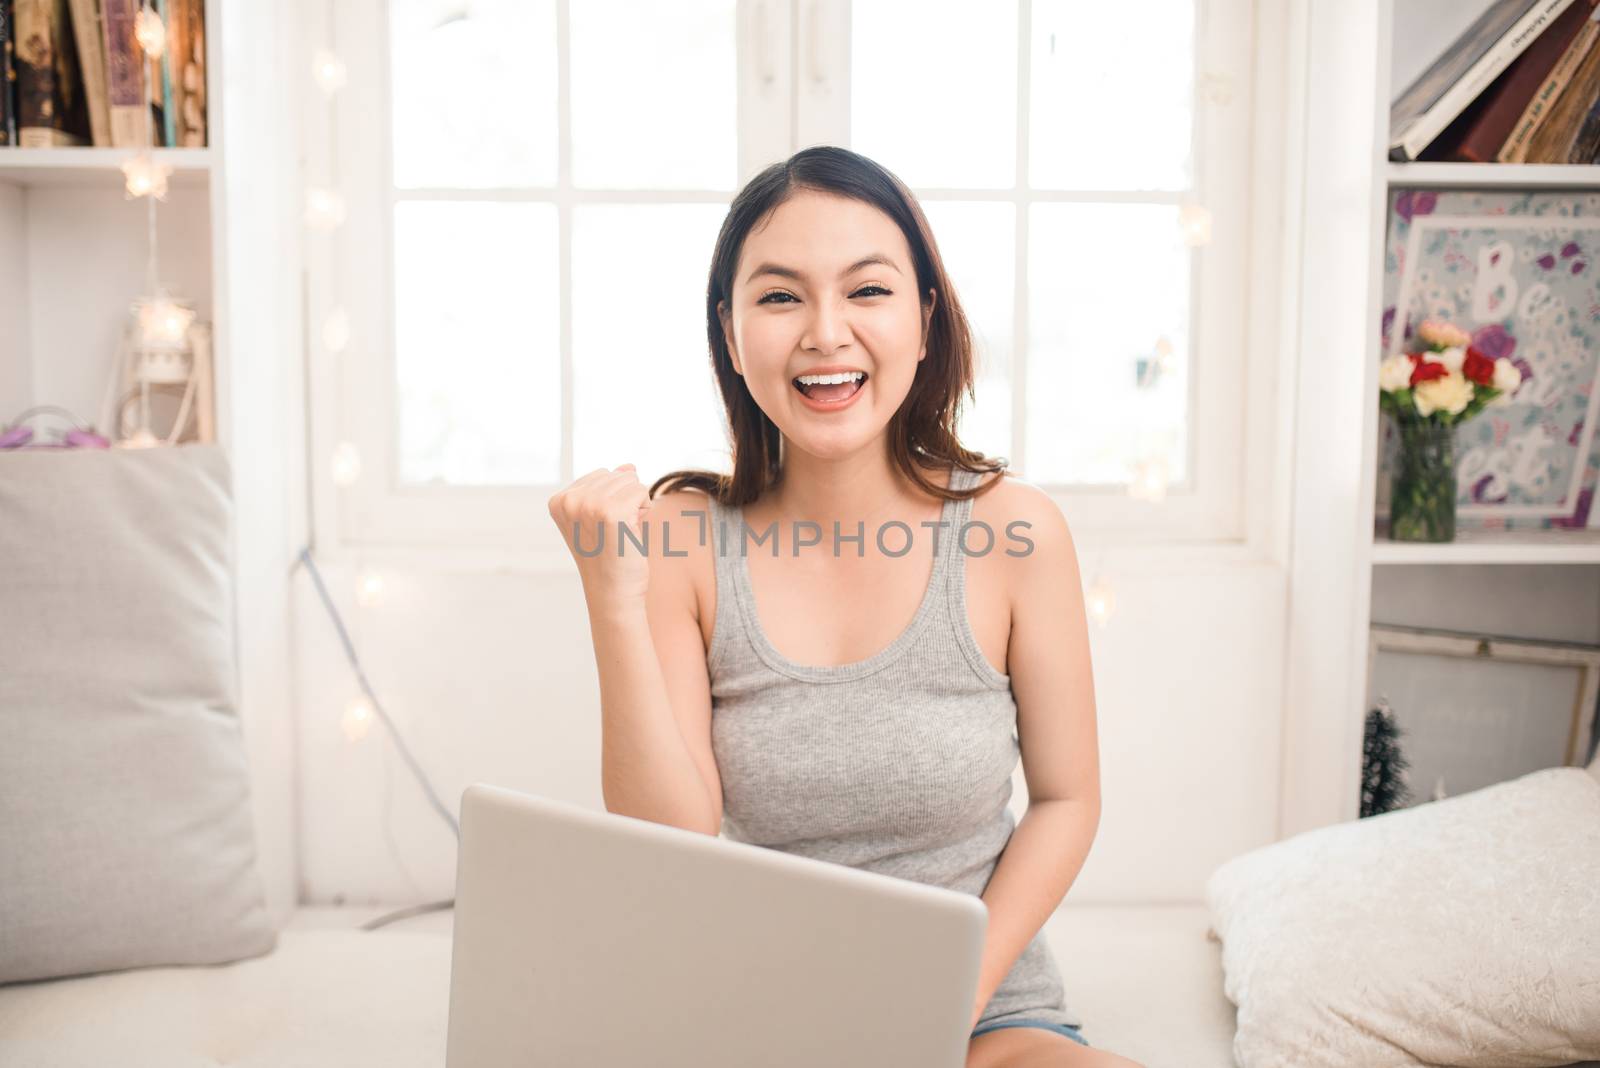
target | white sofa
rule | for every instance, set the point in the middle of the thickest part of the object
(1146, 979)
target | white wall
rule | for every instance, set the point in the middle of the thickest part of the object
(64, 320)
(16, 364)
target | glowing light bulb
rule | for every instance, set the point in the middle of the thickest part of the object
(336, 330)
(369, 589)
(324, 208)
(1150, 479)
(140, 439)
(1217, 88)
(163, 321)
(1194, 220)
(151, 33)
(329, 71)
(1101, 601)
(346, 464)
(1164, 352)
(358, 717)
(143, 176)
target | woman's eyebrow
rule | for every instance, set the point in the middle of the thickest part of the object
(790, 272)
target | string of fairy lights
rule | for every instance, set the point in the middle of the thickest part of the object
(325, 211)
(161, 318)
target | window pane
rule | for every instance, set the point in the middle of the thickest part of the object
(1108, 289)
(978, 244)
(477, 342)
(473, 92)
(933, 90)
(1113, 103)
(643, 389)
(654, 95)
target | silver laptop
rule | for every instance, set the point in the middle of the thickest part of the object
(585, 939)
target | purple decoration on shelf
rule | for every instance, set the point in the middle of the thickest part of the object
(15, 437)
(84, 439)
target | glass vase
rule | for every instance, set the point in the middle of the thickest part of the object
(1422, 505)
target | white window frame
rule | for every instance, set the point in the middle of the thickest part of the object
(352, 394)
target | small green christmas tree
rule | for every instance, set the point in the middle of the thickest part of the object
(1383, 765)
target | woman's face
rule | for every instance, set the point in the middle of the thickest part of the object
(826, 283)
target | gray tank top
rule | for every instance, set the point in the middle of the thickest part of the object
(899, 764)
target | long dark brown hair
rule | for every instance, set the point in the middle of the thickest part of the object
(924, 427)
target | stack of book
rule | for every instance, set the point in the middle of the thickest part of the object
(1521, 85)
(73, 73)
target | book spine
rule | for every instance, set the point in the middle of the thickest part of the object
(178, 55)
(1515, 149)
(1587, 142)
(8, 80)
(91, 58)
(50, 107)
(192, 121)
(169, 123)
(1552, 141)
(1487, 124)
(124, 87)
(1429, 125)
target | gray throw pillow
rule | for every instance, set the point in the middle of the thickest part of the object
(125, 827)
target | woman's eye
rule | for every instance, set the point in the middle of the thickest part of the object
(778, 296)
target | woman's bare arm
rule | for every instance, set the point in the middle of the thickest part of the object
(655, 694)
(1052, 681)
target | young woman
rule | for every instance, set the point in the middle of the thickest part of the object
(825, 652)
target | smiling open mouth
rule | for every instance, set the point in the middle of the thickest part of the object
(830, 389)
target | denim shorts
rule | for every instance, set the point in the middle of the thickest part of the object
(1060, 1029)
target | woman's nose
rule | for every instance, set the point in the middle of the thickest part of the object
(828, 328)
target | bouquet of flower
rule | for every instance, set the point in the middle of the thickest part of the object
(1428, 393)
(1446, 383)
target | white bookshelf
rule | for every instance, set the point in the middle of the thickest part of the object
(1495, 547)
(1343, 575)
(229, 238)
(1493, 175)
(76, 258)
(95, 166)
(1432, 585)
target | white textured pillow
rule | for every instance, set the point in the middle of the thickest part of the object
(126, 837)
(1463, 932)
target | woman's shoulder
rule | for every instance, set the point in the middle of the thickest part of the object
(1009, 499)
(679, 526)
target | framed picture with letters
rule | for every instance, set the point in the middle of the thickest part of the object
(1521, 272)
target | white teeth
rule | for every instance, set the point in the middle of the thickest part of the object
(829, 380)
